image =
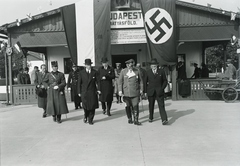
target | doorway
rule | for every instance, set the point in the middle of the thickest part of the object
(122, 59)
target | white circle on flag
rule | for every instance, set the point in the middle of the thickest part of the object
(159, 25)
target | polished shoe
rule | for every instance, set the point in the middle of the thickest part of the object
(104, 111)
(76, 108)
(80, 107)
(137, 123)
(164, 122)
(130, 121)
(59, 121)
(150, 120)
(109, 114)
(85, 120)
(54, 119)
(91, 123)
(44, 115)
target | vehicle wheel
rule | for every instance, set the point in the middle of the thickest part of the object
(230, 95)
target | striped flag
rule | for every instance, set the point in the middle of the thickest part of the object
(87, 27)
(160, 26)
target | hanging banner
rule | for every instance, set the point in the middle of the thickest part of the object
(160, 25)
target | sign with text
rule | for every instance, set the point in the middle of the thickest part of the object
(128, 36)
(126, 19)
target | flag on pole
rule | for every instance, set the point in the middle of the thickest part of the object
(87, 28)
(17, 46)
(233, 16)
(160, 26)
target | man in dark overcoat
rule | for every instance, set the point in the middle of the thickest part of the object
(56, 103)
(154, 86)
(88, 90)
(72, 85)
(131, 87)
(106, 75)
(42, 86)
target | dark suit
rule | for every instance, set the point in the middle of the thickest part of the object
(87, 87)
(154, 87)
(106, 87)
(72, 83)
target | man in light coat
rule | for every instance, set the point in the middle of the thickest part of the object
(131, 87)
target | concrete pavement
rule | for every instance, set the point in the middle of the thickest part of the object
(201, 133)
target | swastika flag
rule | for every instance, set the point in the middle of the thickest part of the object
(87, 28)
(160, 26)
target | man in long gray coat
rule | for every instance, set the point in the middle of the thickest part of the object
(56, 104)
(131, 87)
(42, 88)
(88, 90)
(106, 76)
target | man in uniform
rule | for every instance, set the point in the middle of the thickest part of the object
(56, 103)
(131, 86)
(72, 85)
(154, 86)
(87, 90)
(117, 74)
(106, 76)
(42, 88)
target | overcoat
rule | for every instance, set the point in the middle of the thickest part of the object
(106, 86)
(72, 83)
(155, 82)
(42, 100)
(87, 87)
(117, 74)
(130, 86)
(56, 103)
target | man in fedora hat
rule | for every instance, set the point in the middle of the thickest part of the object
(117, 74)
(230, 72)
(106, 75)
(56, 103)
(87, 90)
(72, 85)
(154, 86)
(131, 87)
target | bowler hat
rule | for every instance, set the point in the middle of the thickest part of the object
(88, 62)
(54, 64)
(104, 60)
(154, 61)
(130, 61)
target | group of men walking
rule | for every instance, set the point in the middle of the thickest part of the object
(89, 86)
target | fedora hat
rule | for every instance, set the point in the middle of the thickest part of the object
(88, 62)
(154, 61)
(130, 61)
(229, 60)
(104, 60)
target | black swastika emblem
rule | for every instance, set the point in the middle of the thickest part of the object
(159, 25)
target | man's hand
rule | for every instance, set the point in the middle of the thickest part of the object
(42, 86)
(38, 86)
(99, 92)
(79, 95)
(141, 92)
(69, 88)
(103, 78)
(55, 87)
(120, 93)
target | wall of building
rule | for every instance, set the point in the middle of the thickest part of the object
(126, 49)
(57, 54)
(193, 54)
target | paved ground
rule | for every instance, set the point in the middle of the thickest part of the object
(199, 133)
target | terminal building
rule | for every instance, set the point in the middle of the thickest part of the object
(197, 28)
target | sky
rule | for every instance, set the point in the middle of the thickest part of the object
(19, 9)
